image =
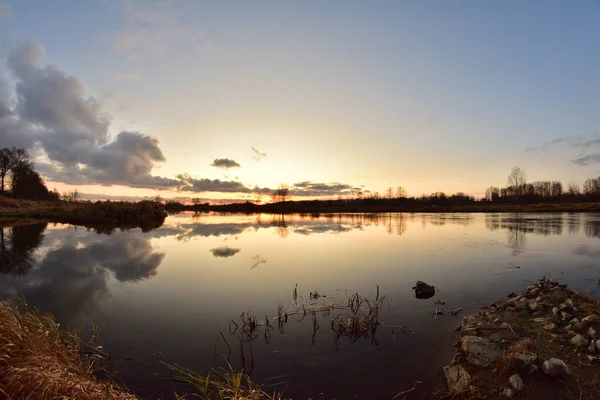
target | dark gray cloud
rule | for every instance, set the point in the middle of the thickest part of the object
(224, 252)
(257, 154)
(587, 159)
(315, 189)
(190, 184)
(52, 113)
(225, 163)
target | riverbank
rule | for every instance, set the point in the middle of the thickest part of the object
(39, 360)
(540, 344)
(102, 216)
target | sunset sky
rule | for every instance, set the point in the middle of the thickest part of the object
(227, 99)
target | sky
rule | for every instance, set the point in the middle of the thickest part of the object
(227, 100)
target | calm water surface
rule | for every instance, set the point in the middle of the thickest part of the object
(166, 295)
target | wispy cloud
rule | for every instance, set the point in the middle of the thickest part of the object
(587, 159)
(571, 141)
(225, 163)
(257, 154)
(154, 27)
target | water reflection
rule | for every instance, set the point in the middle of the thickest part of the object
(17, 247)
(224, 252)
(71, 279)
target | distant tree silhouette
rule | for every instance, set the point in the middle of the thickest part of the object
(517, 181)
(281, 193)
(400, 192)
(573, 189)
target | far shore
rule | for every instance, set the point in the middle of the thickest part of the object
(316, 207)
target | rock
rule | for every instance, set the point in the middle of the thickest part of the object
(513, 300)
(563, 306)
(555, 311)
(508, 393)
(565, 316)
(540, 300)
(516, 382)
(457, 377)
(480, 351)
(495, 337)
(535, 291)
(522, 304)
(591, 319)
(598, 344)
(592, 347)
(511, 309)
(567, 327)
(525, 359)
(540, 320)
(578, 327)
(532, 369)
(423, 290)
(551, 327)
(555, 367)
(592, 333)
(575, 321)
(579, 341)
(534, 305)
(569, 302)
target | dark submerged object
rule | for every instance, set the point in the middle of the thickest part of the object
(423, 290)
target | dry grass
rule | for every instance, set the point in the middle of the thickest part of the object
(40, 361)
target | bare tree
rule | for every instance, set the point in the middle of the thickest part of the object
(71, 196)
(400, 192)
(282, 193)
(6, 164)
(573, 189)
(517, 180)
(389, 193)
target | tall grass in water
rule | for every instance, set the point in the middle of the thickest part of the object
(221, 384)
(40, 361)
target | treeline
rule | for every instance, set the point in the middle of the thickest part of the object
(519, 190)
(19, 179)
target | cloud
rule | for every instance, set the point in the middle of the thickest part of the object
(189, 184)
(6, 11)
(153, 28)
(224, 252)
(257, 154)
(571, 141)
(587, 159)
(51, 113)
(224, 163)
(313, 189)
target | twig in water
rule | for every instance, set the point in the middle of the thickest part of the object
(412, 389)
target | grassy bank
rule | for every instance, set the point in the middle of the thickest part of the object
(100, 215)
(38, 360)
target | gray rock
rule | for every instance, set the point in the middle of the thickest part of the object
(509, 308)
(516, 382)
(569, 303)
(592, 333)
(457, 377)
(592, 347)
(555, 311)
(567, 327)
(535, 291)
(508, 393)
(555, 367)
(574, 321)
(565, 316)
(525, 359)
(522, 303)
(578, 327)
(591, 319)
(534, 305)
(579, 341)
(551, 327)
(480, 351)
(495, 337)
(598, 344)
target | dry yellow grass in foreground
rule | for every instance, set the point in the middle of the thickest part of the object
(39, 361)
